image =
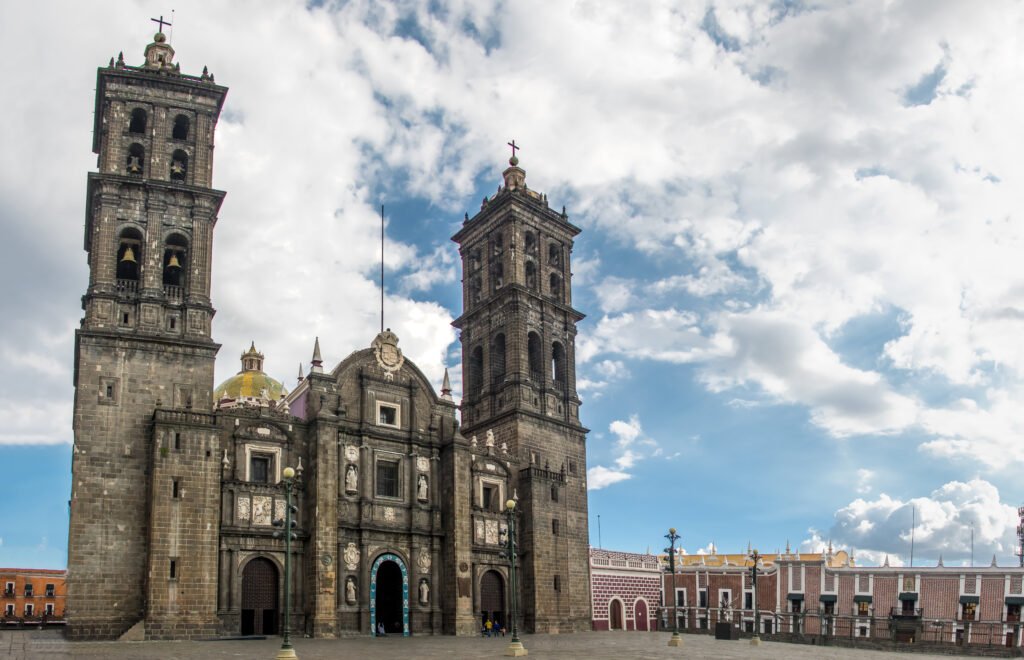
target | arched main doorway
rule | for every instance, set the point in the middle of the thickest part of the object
(259, 597)
(492, 598)
(389, 595)
(640, 615)
(615, 615)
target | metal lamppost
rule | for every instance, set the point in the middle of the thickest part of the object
(515, 647)
(289, 525)
(756, 639)
(672, 537)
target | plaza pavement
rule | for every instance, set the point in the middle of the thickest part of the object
(19, 645)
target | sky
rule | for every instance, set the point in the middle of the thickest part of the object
(800, 259)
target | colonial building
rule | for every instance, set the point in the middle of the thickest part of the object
(625, 590)
(32, 596)
(800, 596)
(400, 509)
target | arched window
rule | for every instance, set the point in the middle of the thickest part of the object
(475, 290)
(536, 360)
(499, 276)
(554, 254)
(558, 365)
(136, 159)
(175, 264)
(498, 243)
(498, 356)
(555, 285)
(138, 121)
(531, 275)
(529, 243)
(474, 260)
(180, 131)
(179, 165)
(129, 256)
(476, 370)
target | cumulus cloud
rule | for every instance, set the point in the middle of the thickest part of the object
(630, 446)
(944, 521)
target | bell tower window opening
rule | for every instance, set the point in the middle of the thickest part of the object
(558, 365)
(555, 285)
(554, 254)
(499, 276)
(136, 159)
(137, 124)
(179, 166)
(529, 243)
(129, 256)
(536, 360)
(531, 275)
(175, 256)
(498, 244)
(476, 370)
(181, 125)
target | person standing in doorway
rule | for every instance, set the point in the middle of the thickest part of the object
(489, 625)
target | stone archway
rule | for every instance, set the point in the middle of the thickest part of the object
(389, 595)
(259, 598)
(492, 598)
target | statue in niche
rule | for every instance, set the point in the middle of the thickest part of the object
(424, 592)
(351, 478)
(350, 590)
(490, 438)
(421, 488)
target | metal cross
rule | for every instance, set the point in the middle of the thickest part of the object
(161, 22)
(514, 147)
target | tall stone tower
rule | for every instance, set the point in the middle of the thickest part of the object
(518, 331)
(146, 466)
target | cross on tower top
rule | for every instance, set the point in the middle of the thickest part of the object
(514, 147)
(161, 22)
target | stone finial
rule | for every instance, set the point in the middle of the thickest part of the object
(940, 564)
(300, 372)
(994, 565)
(473, 442)
(317, 363)
(885, 564)
(299, 468)
(446, 386)
(225, 463)
(787, 547)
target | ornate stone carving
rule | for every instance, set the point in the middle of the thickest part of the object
(424, 592)
(279, 507)
(422, 464)
(351, 478)
(389, 356)
(423, 561)
(491, 532)
(421, 488)
(242, 507)
(351, 557)
(261, 509)
(389, 514)
(351, 453)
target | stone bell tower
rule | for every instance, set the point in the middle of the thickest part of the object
(518, 331)
(144, 358)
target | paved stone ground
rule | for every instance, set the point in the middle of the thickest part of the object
(20, 645)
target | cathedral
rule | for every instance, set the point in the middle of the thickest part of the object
(399, 492)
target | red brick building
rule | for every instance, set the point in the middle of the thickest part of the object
(625, 590)
(31, 595)
(800, 597)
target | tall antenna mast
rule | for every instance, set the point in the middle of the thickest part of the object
(1020, 535)
(382, 268)
(599, 530)
(972, 545)
(913, 526)
(170, 37)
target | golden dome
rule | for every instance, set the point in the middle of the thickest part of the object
(250, 385)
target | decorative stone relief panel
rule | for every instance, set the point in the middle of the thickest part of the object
(261, 505)
(491, 535)
(351, 557)
(242, 507)
(279, 509)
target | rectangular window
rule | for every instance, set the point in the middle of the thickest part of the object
(9, 591)
(572, 466)
(862, 608)
(259, 468)
(863, 631)
(49, 591)
(173, 574)
(488, 498)
(175, 489)
(29, 609)
(171, 322)
(554, 493)
(387, 478)
(748, 600)
(28, 589)
(703, 598)
(177, 440)
(680, 597)
(10, 609)
(387, 414)
(558, 583)
(49, 609)
(554, 527)
(969, 611)
(830, 608)
(1012, 613)
(795, 606)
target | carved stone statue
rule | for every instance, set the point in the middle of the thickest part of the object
(351, 478)
(421, 488)
(490, 438)
(424, 592)
(350, 590)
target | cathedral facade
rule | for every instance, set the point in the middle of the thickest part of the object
(401, 521)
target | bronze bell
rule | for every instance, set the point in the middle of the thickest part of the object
(129, 255)
(174, 263)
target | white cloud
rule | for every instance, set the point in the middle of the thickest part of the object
(864, 477)
(631, 445)
(599, 477)
(944, 520)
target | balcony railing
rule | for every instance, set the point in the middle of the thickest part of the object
(127, 288)
(907, 612)
(173, 294)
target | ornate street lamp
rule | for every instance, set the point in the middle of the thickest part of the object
(756, 639)
(289, 525)
(515, 647)
(672, 537)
